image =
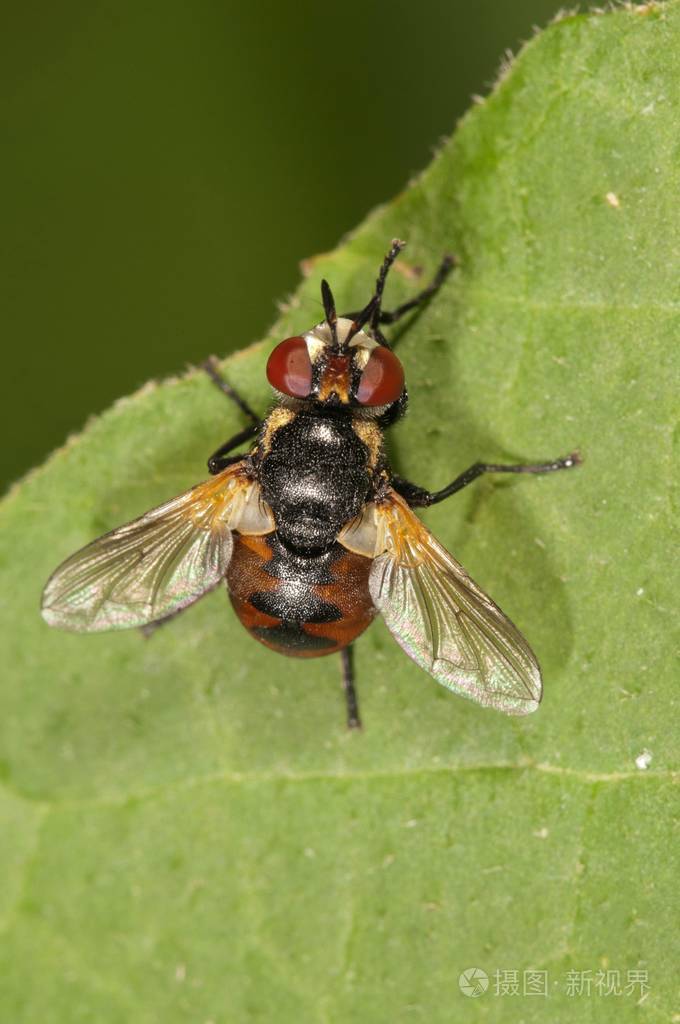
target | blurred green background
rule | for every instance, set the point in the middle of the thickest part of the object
(166, 166)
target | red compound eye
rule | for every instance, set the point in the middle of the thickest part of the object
(382, 381)
(289, 368)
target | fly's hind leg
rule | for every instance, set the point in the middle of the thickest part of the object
(221, 458)
(353, 719)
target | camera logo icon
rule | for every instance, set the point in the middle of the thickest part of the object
(473, 982)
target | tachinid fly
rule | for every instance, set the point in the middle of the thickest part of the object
(312, 532)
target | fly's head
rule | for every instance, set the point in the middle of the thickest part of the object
(342, 362)
(350, 369)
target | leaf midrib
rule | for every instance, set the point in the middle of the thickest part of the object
(232, 778)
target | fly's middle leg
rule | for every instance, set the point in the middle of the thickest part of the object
(419, 497)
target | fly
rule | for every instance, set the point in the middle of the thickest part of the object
(311, 530)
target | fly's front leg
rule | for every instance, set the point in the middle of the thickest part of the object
(353, 719)
(418, 497)
(391, 316)
(211, 367)
(374, 314)
(221, 458)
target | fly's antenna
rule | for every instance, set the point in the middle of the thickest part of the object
(371, 311)
(329, 309)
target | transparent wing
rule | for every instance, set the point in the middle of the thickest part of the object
(444, 621)
(159, 563)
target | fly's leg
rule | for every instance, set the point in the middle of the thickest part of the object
(391, 316)
(373, 313)
(418, 497)
(353, 719)
(211, 367)
(218, 461)
(221, 458)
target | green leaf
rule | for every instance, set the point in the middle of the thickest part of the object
(190, 833)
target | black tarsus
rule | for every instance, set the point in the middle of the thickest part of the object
(395, 249)
(221, 458)
(418, 497)
(371, 312)
(347, 657)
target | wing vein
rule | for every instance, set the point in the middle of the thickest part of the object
(444, 621)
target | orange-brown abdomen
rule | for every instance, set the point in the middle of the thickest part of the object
(304, 606)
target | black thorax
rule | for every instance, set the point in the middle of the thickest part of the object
(315, 477)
